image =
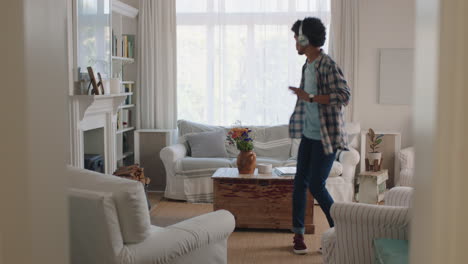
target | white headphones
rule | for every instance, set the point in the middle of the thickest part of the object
(302, 39)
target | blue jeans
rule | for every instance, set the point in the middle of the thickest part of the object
(313, 167)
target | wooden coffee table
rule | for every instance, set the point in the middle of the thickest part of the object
(258, 200)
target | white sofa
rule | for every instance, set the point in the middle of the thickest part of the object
(357, 225)
(189, 178)
(110, 223)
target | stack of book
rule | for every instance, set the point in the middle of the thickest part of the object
(285, 171)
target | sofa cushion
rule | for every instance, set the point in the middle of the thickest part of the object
(272, 141)
(269, 141)
(129, 198)
(295, 142)
(210, 144)
(186, 128)
(188, 164)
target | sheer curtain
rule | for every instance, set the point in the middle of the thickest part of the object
(344, 46)
(156, 98)
(236, 58)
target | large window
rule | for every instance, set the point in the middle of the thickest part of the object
(236, 58)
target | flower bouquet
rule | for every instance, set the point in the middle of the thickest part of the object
(240, 137)
(246, 160)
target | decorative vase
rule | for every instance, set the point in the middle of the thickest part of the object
(246, 162)
(374, 156)
(374, 161)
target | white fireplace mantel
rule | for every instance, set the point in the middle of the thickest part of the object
(90, 112)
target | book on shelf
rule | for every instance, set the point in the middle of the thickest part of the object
(285, 171)
(128, 88)
(128, 46)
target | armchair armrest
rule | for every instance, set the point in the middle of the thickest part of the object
(357, 225)
(95, 234)
(173, 153)
(208, 227)
(369, 215)
(399, 196)
(165, 245)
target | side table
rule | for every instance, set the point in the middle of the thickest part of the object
(372, 185)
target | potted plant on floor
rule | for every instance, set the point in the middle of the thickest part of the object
(374, 155)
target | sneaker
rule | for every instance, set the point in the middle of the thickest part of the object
(299, 245)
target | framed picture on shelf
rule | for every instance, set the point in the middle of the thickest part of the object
(95, 87)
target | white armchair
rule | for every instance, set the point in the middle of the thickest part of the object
(357, 225)
(110, 223)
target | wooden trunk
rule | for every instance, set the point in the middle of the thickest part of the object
(260, 203)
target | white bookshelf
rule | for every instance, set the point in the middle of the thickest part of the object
(123, 59)
(126, 106)
(124, 22)
(126, 129)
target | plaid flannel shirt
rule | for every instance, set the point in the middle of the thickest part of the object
(330, 81)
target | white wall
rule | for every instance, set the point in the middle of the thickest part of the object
(34, 216)
(383, 24)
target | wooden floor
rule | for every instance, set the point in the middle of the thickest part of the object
(245, 245)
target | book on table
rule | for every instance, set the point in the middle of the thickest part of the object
(285, 171)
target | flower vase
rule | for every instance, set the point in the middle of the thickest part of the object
(246, 162)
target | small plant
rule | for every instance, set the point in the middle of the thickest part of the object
(374, 139)
(240, 136)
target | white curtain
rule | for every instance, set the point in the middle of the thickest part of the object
(344, 46)
(157, 72)
(236, 58)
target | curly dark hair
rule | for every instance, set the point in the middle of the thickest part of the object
(314, 30)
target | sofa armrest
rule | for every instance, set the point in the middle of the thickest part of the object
(165, 245)
(349, 159)
(399, 196)
(173, 153)
(357, 225)
(169, 155)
